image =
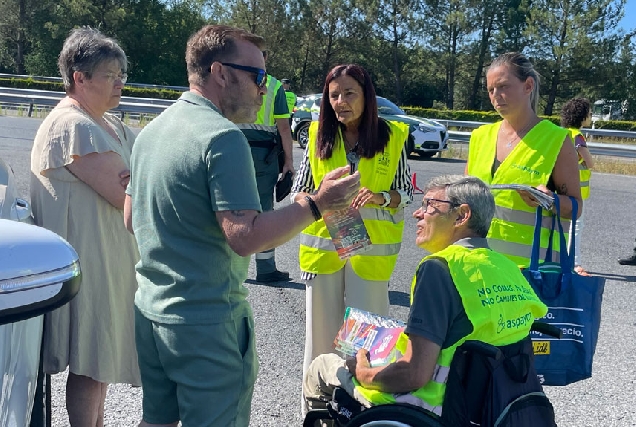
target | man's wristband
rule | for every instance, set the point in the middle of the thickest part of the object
(314, 208)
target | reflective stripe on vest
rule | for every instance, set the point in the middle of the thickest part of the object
(384, 225)
(531, 163)
(584, 172)
(478, 274)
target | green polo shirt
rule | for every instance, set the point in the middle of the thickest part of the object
(186, 165)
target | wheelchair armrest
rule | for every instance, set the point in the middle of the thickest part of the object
(547, 329)
(482, 348)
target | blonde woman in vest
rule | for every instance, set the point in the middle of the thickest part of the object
(349, 123)
(522, 149)
(575, 114)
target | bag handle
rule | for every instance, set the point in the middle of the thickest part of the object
(575, 211)
(566, 256)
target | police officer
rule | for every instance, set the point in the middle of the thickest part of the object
(268, 136)
(289, 95)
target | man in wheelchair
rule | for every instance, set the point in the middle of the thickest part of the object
(462, 296)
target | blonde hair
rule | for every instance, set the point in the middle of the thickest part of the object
(522, 68)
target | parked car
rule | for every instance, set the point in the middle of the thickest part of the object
(427, 137)
(39, 272)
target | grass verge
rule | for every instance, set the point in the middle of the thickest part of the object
(603, 164)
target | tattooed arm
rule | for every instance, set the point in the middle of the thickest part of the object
(566, 178)
(249, 231)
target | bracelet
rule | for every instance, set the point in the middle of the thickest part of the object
(314, 208)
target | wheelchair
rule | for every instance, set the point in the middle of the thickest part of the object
(486, 386)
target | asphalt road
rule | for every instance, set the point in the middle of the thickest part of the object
(607, 399)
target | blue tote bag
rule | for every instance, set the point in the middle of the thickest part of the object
(574, 306)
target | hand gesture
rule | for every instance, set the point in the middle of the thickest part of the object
(337, 189)
(363, 197)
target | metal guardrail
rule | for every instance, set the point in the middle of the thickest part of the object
(59, 80)
(132, 105)
(596, 147)
(128, 105)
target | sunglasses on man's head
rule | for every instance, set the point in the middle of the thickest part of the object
(261, 75)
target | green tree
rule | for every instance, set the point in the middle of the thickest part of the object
(557, 29)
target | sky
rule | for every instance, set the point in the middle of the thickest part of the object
(629, 20)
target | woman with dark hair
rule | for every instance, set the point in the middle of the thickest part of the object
(575, 114)
(349, 128)
(522, 149)
(80, 164)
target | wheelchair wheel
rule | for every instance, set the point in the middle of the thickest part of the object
(395, 415)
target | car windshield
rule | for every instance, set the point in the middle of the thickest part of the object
(387, 107)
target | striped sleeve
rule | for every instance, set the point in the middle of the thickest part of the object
(402, 182)
(304, 182)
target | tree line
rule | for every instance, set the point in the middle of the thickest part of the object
(427, 53)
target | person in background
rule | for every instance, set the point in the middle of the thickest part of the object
(79, 171)
(575, 114)
(446, 310)
(269, 136)
(349, 125)
(194, 208)
(629, 260)
(290, 96)
(522, 149)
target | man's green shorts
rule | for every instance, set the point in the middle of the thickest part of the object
(202, 375)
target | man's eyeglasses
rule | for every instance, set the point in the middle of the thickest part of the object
(426, 202)
(112, 77)
(261, 75)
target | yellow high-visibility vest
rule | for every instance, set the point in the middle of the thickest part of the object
(584, 172)
(317, 252)
(531, 163)
(499, 303)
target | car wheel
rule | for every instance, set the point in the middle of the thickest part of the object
(302, 135)
(410, 147)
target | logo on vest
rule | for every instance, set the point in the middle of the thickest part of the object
(526, 169)
(384, 160)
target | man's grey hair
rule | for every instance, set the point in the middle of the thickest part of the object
(463, 189)
(84, 50)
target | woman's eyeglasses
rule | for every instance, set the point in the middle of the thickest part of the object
(261, 75)
(113, 77)
(426, 202)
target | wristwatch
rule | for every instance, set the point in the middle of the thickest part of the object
(387, 198)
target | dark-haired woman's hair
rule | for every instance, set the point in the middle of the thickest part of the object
(574, 113)
(522, 68)
(373, 132)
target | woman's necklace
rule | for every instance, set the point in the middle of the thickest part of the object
(349, 147)
(520, 134)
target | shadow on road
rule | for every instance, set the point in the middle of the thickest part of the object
(288, 285)
(435, 159)
(617, 277)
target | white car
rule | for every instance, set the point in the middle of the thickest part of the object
(39, 272)
(426, 138)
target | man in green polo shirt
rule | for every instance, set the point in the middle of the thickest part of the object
(193, 206)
